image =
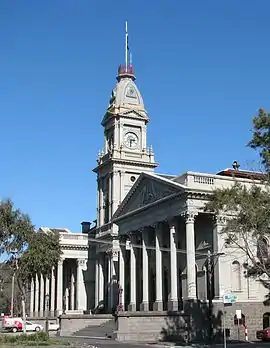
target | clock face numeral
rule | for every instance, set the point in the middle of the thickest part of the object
(131, 140)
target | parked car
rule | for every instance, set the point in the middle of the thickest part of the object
(264, 334)
(54, 327)
(29, 326)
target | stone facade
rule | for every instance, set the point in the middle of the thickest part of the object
(153, 236)
(69, 288)
(149, 252)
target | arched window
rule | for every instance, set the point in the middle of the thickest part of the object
(241, 321)
(236, 276)
(266, 320)
(262, 248)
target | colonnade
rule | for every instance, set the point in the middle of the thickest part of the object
(64, 290)
(137, 258)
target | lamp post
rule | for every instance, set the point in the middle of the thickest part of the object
(210, 274)
(47, 299)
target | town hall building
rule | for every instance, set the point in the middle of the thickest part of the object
(155, 256)
(153, 238)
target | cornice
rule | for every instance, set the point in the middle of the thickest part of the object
(125, 161)
(198, 194)
(74, 247)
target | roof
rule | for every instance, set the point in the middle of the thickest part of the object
(243, 174)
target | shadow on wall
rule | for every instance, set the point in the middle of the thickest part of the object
(193, 325)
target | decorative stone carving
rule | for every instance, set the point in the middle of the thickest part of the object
(81, 263)
(148, 192)
(203, 245)
(61, 261)
(190, 216)
(219, 219)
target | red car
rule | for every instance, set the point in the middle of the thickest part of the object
(264, 334)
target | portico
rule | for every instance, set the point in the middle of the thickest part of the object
(65, 290)
(164, 237)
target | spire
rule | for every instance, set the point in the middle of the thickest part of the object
(127, 69)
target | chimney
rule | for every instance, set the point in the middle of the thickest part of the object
(85, 226)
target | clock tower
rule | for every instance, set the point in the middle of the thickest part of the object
(125, 154)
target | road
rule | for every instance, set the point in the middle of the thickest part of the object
(102, 343)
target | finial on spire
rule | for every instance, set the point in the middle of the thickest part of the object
(127, 69)
(126, 48)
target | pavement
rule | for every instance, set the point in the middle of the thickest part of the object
(107, 343)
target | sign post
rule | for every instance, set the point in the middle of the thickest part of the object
(238, 314)
(228, 300)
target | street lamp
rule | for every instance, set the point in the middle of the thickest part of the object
(210, 270)
(47, 298)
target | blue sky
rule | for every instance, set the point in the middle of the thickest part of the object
(202, 67)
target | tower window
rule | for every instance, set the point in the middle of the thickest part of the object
(132, 178)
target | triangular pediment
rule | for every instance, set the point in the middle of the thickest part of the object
(148, 189)
(111, 112)
(135, 114)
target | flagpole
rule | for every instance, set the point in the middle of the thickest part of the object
(126, 47)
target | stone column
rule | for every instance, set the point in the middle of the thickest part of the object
(133, 280)
(72, 290)
(115, 190)
(41, 294)
(32, 297)
(110, 196)
(108, 260)
(101, 202)
(191, 260)
(59, 298)
(145, 293)
(121, 306)
(52, 292)
(219, 285)
(37, 297)
(97, 281)
(173, 302)
(101, 281)
(158, 305)
(113, 285)
(47, 296)
(80, 290)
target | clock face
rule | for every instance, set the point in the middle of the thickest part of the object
(131, 92)
(131, 140)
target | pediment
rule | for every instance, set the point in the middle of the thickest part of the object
(135, 114)
(148, 189)
(111, 112)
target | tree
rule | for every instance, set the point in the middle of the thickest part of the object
(247, 209)
(261, 137)
(27, 252)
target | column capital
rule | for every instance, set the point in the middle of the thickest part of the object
(219, 219)
(113, 254)
(190, 216)
(81, 262)
(60, 262)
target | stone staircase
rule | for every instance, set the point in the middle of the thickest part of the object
(104, 330)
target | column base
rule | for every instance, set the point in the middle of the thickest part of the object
(158, 306)
(132, 307)
(173, 305)
(144, 307)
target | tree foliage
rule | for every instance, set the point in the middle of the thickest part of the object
(261, 137)
(247, 208)
(26, 251)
